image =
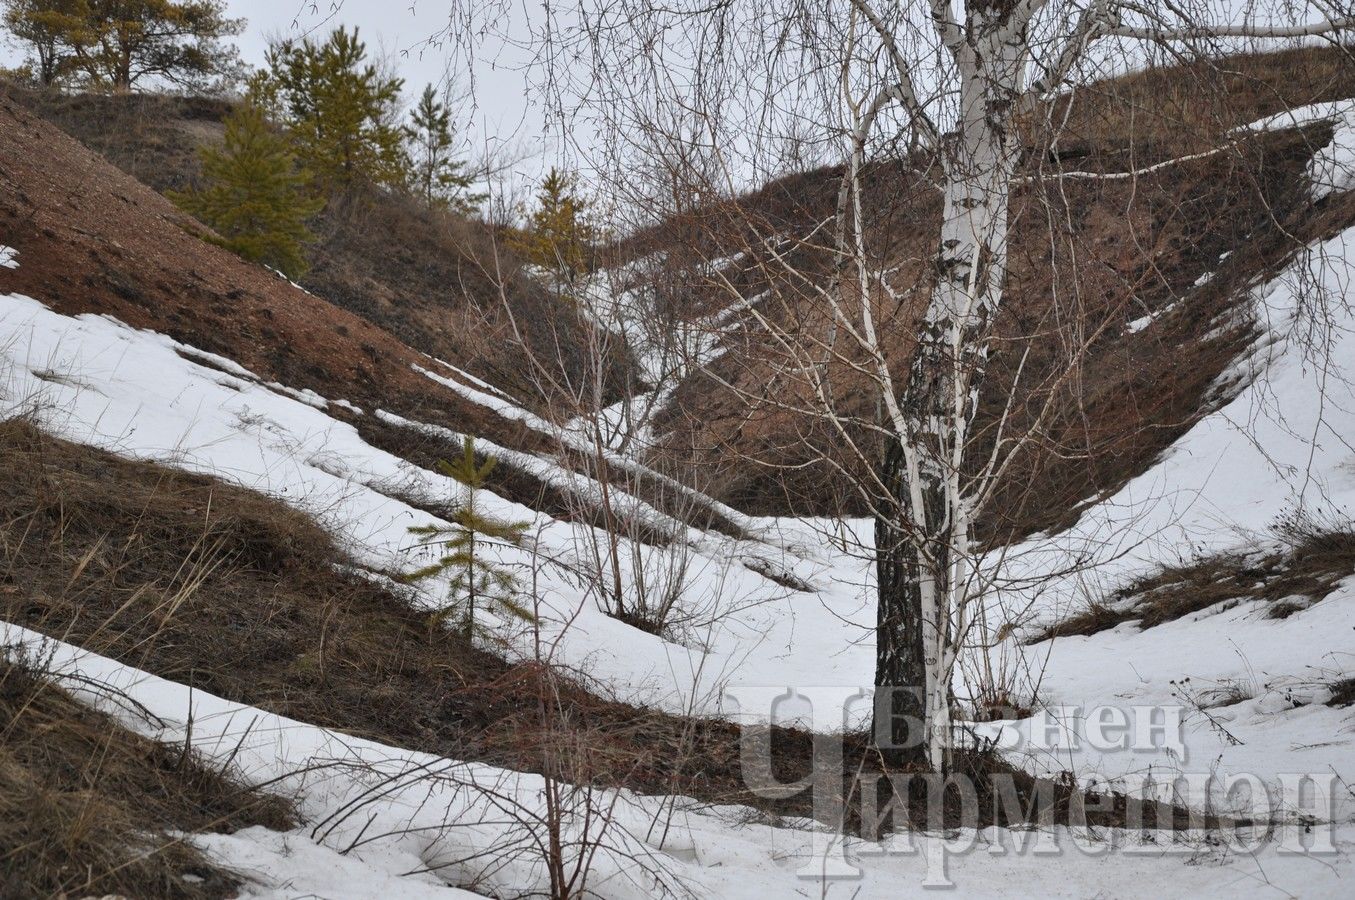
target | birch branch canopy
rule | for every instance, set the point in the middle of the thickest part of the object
(1196, 32)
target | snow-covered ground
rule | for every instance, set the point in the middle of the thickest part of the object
(1283, 442)
(93, 379)
(385, 822)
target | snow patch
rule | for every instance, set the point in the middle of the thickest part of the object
(1332, 168)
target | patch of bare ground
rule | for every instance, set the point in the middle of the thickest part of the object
(88, 807)
(1175, 250)
(437, 281)
(1312, 556)
(234, 593)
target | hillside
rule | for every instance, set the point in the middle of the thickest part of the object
(1178, 245)
(437, 282)
(208, 477)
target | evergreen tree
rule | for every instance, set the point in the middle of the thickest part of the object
(436, 176)
(478, 582)
(559, 235)
(45, 26)
(340, 109)
(254, 196)
(116, 43)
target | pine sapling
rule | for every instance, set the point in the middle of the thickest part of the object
(464, 552)
(436, 176)
(254, 195)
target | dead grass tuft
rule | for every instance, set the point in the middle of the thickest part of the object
(89, 808)
(1098, 616)
(1315, 553)
(1342, 693)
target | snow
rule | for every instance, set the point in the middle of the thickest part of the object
(142, 394)
(386, 822)
(96, 380)
(8, 258)
(292, 865)
(1251, 690)
(508, 409)
(1282, 443)
(1143, 322)
(1332, 168)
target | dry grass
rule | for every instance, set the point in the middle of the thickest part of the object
(1085, 254)
(439, 282)
(90, 808)
(1314, 555)
(134, 131)
(444, 284)
(1162, 112)
(236, 594)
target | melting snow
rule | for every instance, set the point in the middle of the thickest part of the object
(1332, 168)
(1283, 441)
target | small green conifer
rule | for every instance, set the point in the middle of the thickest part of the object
(559, 236)
(478, 581)
(340, 109)
(436, 176)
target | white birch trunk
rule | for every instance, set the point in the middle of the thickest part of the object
(978, 160)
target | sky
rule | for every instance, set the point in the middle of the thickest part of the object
(497, 111)
(493, 85)
(494, 113)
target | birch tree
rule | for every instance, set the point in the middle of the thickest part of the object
(956, 78)
(942, 85)
(926, 545)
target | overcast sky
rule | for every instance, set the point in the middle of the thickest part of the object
(497, 105)
(494, 85)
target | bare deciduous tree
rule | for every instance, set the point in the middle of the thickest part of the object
(955, 78)
(945, 87)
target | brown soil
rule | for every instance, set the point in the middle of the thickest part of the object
(91, 239)
(94, 240)
(434, 280)
(1094, 252)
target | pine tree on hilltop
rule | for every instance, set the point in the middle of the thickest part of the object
(436, 176)
(478, 582)
(117, 43)
(254, 196)
(340, 109)
(46, 26)
(559, 235)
